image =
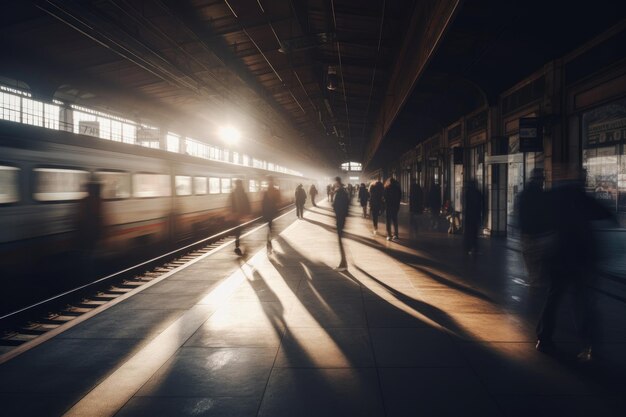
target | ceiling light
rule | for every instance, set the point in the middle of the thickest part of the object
(229, 134)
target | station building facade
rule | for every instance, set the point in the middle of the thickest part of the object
(579, 101)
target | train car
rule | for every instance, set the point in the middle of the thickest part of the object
(148, 198)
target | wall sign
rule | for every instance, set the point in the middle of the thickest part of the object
(605, 126)
(530, 134)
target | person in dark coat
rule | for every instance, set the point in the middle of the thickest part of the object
(392, 196)
(571, 212)
(364, 196)
(341, 206)
(416, 205)
(434, 204)
(473, 206)
(534, 225)
(269, 207)
(329, 192)
(313, 194)
(300, 197)
(376, 202)
(240, 208)
(89, 227)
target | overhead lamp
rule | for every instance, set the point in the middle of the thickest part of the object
(229, 134)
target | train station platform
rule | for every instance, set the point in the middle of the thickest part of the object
(413, 327)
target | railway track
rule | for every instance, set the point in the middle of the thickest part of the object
(31, 322)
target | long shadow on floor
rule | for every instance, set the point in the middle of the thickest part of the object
(411, 260)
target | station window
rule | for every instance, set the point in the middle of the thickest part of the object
(115, 184)
(151, 185)
(235, 157)
(253, 186)
(32, 112)
(200, 185)
(226, 185)
(10, 107)
(214, 185)
(53, 184)
(173, 142)
(116, 130)
(182, 184)
(246, 160)
(9, 186)
(51, 116)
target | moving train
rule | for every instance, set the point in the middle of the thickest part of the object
(148, 197)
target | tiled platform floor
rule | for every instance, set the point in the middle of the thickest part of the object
(413, 328)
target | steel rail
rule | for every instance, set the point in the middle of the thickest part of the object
(132, 269)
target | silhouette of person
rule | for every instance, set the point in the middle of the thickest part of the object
(240, 207)
(416, 202)
(532, 207)
(269, 207)
(313, 194)
(376, 203)
(341, 205)
(574, 257)
(473, 217)
(434, 204)
(90, 226)
(300, 198)
(392, 195)
(364, 196)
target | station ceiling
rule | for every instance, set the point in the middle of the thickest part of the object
(397, 68)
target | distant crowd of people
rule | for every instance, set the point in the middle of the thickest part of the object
(556, 241)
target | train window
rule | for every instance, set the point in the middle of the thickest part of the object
(253, 186)
(264, 185)
(183, 185)
(214, 185)
(9, 187)
(200, 185)
(53, 184)
(151, 185)
(115, 184)
(226, 185)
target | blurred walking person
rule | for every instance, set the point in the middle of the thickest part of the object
(392, 196)
(269, 204)
(376, 203)
(534, 226)
(473, 206)
(341, 206)
(300, 199)
(364, 196)
(313, 194)
(574, 258)
(240, 208)
(416, 203)
(434, 204)
(329, 192)
(90, 228)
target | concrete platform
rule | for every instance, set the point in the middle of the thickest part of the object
(412, 328)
